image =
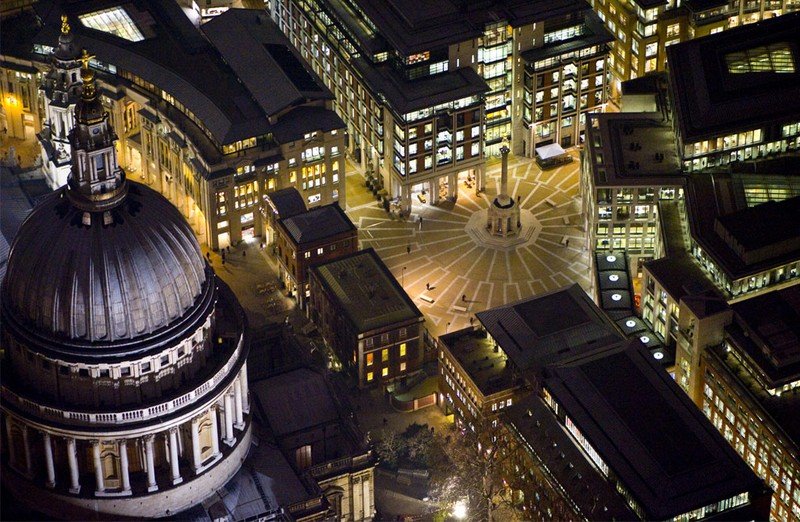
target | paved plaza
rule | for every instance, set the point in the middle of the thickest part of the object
(454, 263)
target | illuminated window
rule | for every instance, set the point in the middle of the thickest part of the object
(384, 355)
(115, 21)
(402, 367)
(775, 58)
(403, 350)
(385, 372)
(370, 359)
(370, 376)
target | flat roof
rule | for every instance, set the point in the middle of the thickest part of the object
(277, 400)
(406, 96)
(427, 25)
(366, 291)
(647, 430)
(669, 216)
(486, 366)
(551, 327)
(711, 196)
(710, 101)
(596, 34)
(317, 224)
(772, 323)
(632, 149)
(763, 225)
(681, 276)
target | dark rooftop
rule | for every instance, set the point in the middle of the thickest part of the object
(632, 149)
(768, 229)
(286, 202)
(719, 195)
(406, 96)
(772, 324)
(476, 354)
(596, 34)
(551, 327)
(711, 101)
(681, 276)
(317, 224)
(366, 291)
(221, 72)
(261, 56)
(425, 25)
(647, 430)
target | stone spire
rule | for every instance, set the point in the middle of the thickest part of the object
(96, 181)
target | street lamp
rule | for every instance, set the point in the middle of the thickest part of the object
(403, 277)
(446, 327)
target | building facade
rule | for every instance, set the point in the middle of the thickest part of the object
(367, 319)
(310, 238)
(139, 358)
(214, 152)
(425, 98)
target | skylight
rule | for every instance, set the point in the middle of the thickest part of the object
(115, 21)
(774, 58)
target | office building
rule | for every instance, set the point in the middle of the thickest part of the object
(214, 116)
(644, 29)
(367, 319)
(309, 238)
(124, 376)
(624, 442)
(629, 166)
(736, 95)
(485, 369)
(417, 86)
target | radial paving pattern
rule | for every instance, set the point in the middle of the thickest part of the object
(445, 256)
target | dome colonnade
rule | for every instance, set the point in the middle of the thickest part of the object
(124, 376)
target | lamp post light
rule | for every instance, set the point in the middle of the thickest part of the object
(403, 277)
(446, 327)
(460, 508)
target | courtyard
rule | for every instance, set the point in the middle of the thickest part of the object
(449, 272)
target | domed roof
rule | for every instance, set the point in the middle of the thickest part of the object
(133, 270)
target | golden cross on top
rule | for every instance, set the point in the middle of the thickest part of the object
(85, 57)
(64, 24)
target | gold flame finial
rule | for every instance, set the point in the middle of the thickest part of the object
(64, 25)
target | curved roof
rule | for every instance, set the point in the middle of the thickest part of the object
(104, 283)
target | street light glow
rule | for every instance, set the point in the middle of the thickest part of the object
(460, 510)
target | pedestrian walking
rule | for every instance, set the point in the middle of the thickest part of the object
(464, 298)
(244, 253)
(427, 286)
(420, 222)
(408, 248)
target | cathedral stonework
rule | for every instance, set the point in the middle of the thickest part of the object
(124, 379)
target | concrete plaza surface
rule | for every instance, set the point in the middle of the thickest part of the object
(454, 263)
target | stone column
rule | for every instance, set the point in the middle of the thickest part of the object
(214, 431)
(74, 483)
(245, 389)
(12, 456)
(98, 468)
(173, 456)
(503, 189)
(151, 466)
(123, 462)
(48, 460)
(229, 439)
(28, 470)
(237, 405)
(196, 457)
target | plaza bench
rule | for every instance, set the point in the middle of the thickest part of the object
(459, 308)
(427, 299)
(565, 219)
(550, 202)
(565, 240)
